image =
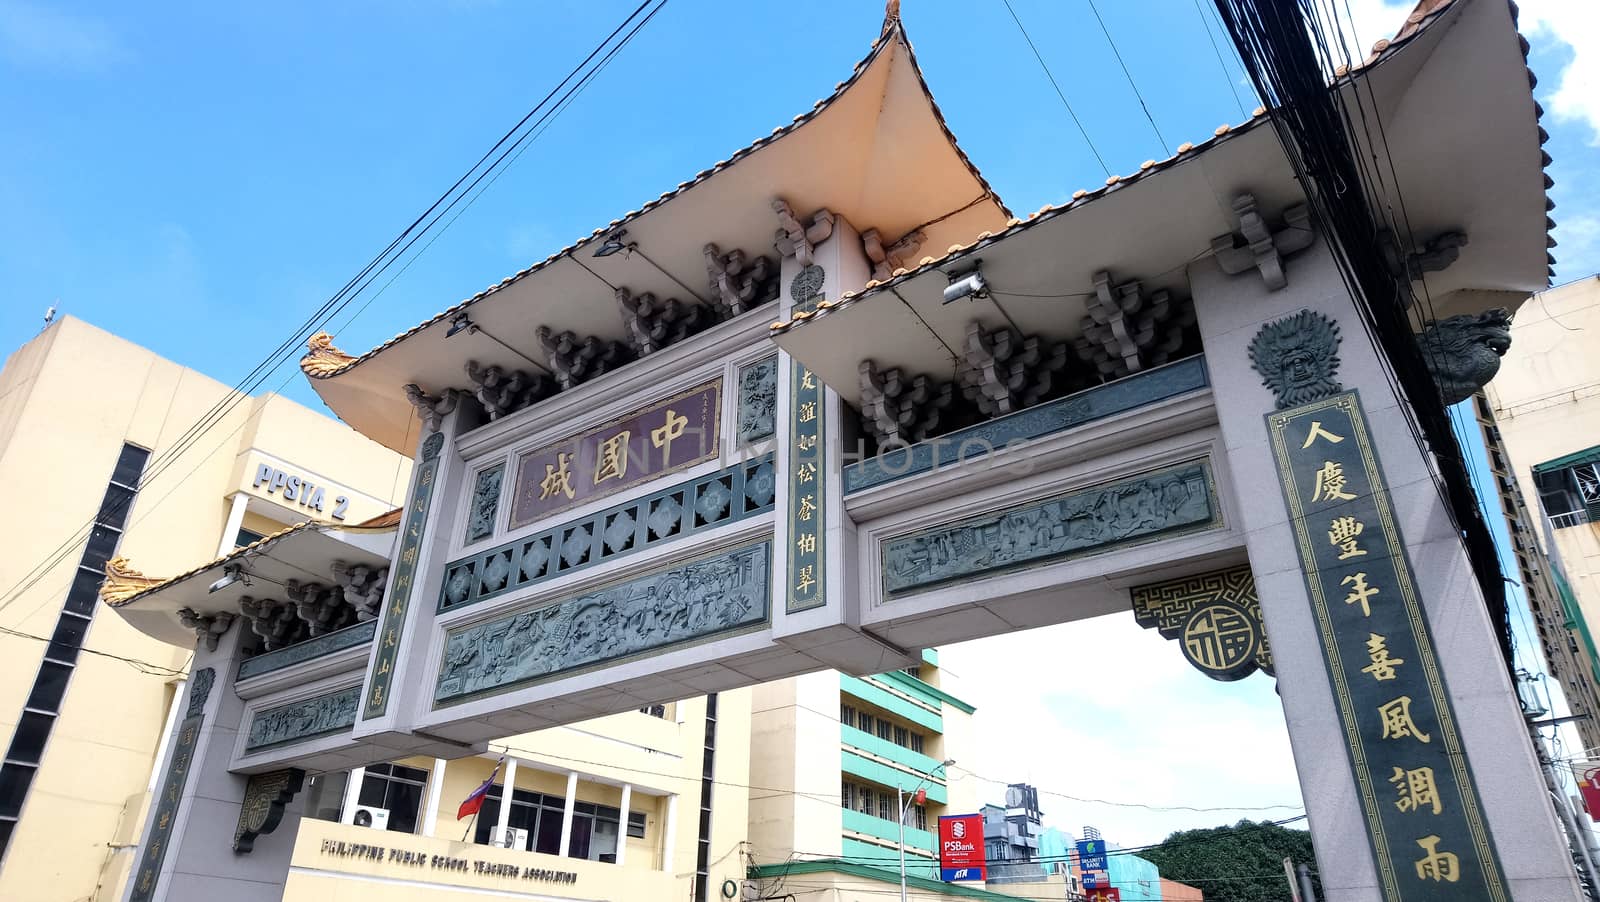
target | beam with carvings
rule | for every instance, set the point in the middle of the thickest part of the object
(740, 282)
(1004, 371)
(1259, 246)
(503, 391)
(896, 409)
(577, 359)
(654, 324)
(1126, 330)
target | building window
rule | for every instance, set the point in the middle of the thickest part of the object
(902, 737)
(886, 807)
(885, 729)
(847, 715)
(919, 817)
(916, 742)
(396, 789)
(246, 537)
(61, 653)
(594, 832)
(636, 821)
(914, 671)
(655, 711)
(1570, 495)
(847, 796)
(864, 722)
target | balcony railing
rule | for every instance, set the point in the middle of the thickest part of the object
(1570, 518)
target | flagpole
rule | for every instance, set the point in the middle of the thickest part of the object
(472, 821)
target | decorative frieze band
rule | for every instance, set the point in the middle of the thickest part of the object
(302, 720)
(683, 604)
(1138, 508)
(743, 490)
(1217, 618)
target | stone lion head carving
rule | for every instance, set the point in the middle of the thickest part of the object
(1298, 358)
(1463, 352)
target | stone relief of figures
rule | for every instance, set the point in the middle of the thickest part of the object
(1083, 520)
(738, 282)
(577, 360)
(304, 719)
(690, 601)
(502, 391)
(758, 400)
(1127, 331)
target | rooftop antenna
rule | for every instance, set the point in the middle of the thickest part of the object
(50, 314)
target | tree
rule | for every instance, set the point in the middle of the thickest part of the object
(1242, 863)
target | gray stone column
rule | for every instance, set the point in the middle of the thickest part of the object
(186, 853)
(1531, 847)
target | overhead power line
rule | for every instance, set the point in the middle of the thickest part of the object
(1205, 22)
(1059, 93)
(1165, 148)
(341, 299)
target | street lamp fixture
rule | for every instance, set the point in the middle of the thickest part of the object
(905, 800)
(614, 242)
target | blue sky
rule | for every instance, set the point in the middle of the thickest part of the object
(199, 177)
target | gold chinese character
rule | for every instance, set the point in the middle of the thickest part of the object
(421, 506)
(1342, 532)
(1318, 432)
(806, 544)
(377, 695)
(409, 556)
(1330, 483)
(416, 529)
(806, 471)
(1359, 591)
(804, 581)
(1382, 666)
(808, 411)
(808, 380)
(806, 442)
(1436, 865)
(146, 881)
(1417, 789)
(388, 639)
(807, 507)
(166, 818)
(384, 667)
(557, 478)
(613, 462)
(1397, 722)
(663, 436)
(403, 582)
(427, 477)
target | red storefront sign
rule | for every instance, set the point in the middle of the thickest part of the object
(1588, 773)
(961, 848)
(1106, 894)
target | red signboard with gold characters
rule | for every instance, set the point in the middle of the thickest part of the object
(669, 435)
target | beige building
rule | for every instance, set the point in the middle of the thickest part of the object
(90, 422)
(1546, 417)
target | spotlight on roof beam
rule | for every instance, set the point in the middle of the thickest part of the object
(230, 574)
(969, 284)
(613, 243)
(461, 324)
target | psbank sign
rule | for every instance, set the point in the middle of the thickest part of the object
(961, 848)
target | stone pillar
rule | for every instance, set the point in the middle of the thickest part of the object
(395, 681)
(186, 854)
(507, 787)
(230, 530)
(622, 828)
(566, 814)
(430, 821)
(352, 794)
(669, 833)
(814, 602)
(1531, 851)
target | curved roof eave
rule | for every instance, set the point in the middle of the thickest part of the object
(324, 362)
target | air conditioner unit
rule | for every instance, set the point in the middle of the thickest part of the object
(511, 838)
(369, 816)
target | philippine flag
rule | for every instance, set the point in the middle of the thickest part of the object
(474, 800)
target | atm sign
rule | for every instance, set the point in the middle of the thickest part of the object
(961, 848)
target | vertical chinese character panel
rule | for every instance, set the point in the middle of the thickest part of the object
(1423, 816)
(391, 624)
(807, 492)
(147, 873)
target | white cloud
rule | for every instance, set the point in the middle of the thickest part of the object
(1103, 709)
(37, 37)
(1575, 23)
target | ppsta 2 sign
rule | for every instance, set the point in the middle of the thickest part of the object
(961, 847)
